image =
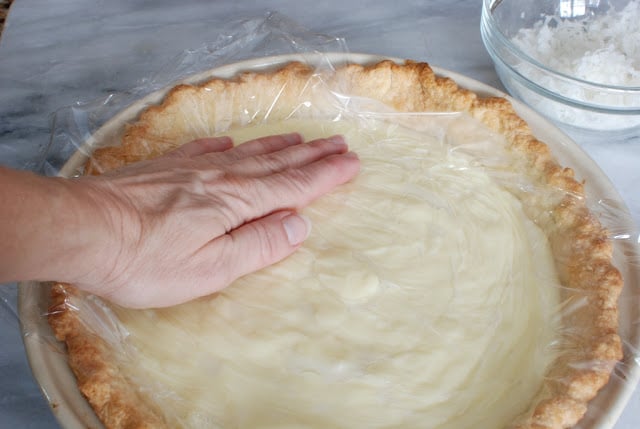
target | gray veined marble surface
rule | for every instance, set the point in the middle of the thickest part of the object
(54, 54)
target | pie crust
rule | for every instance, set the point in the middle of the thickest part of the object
(580, 244)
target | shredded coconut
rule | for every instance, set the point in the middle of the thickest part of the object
(604, 49)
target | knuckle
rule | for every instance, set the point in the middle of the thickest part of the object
(223, 269)
(238, 201)
(266, 247)
(300, 180)
(274, 162)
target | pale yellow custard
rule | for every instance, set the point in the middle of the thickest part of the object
(424, 298)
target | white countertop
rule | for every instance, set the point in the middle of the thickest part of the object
(53, 54)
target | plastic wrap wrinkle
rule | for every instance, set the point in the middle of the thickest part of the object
(335, 314)
(273, 34)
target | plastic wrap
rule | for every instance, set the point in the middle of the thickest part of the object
(454, 189)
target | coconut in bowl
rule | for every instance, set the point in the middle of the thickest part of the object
(575, 61)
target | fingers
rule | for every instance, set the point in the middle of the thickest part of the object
(266, 155)
(289, 189)
(218, 145)
(289, 157)
(260, 146)
(201, 147)
(298, 187)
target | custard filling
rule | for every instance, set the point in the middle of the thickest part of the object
(424, 297)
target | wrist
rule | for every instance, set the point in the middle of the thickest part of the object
(99, 219)
(44, 227)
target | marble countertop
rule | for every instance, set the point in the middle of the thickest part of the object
(53, 55)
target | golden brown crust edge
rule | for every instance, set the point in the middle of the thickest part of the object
(111, 396)
(585, 264)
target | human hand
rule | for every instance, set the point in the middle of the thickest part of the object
(189, 223)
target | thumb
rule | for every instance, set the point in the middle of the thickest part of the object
(261, 243)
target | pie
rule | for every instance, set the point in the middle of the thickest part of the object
(460, 281)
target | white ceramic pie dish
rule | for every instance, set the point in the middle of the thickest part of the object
(48, 359)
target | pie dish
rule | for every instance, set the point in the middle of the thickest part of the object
(573, 306)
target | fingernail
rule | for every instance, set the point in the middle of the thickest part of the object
(297, 227)
(292, 138)
(338, 140)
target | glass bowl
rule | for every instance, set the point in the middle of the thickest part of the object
(561, 57)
